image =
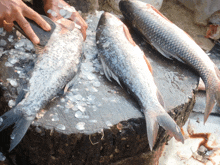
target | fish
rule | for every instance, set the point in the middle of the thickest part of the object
(174, 43)
(55, 70)
(124, 62)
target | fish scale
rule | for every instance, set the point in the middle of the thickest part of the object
(125, 62)
(173, 42)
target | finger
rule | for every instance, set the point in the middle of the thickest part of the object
(8, 26)
(23, 23)
(80, 21)
(83, 31)
(31, 14)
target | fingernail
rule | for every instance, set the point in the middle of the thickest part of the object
(36, 40)
(48, 27)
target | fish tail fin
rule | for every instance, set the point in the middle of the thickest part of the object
(14, 116)
(212, 96)
(163, 119)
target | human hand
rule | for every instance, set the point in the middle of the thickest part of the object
(57, 9)
(16, 10)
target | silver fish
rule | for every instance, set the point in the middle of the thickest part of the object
(173, 42)
(126, 63)
(54, 70)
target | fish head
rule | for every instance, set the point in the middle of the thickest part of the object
(109, 20)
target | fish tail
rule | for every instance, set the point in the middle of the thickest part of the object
(212, 96)
(15, 116)
(162, 118)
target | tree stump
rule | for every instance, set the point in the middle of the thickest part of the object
(96, 121)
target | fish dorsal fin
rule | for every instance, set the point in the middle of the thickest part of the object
(108, 73)
(148, 64)
(148, 5)
(128, 35)
(160, 98)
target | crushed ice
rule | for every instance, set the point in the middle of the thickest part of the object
(108, 123)
(80, 126)
(13, 82)
(2, 157)
(3, 42)
(55, 117)
(11, 103)
(1, 120)
(61, 127)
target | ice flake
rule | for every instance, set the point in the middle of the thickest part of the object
(79, 114)
(94, 108)
(93, 121)
(93, 89)
(1, 120)
(108, 123)
(62, 100)
(13, 82)
(55, 117)
(96, 84)
(10, 38)
(80, 126)
(61, 127)
(63, 12)
(3, 42)
(8, 64)
(2, 157)
(49, 11)
(1, 30)
(53, 13)
(91, 99)
(11, 103)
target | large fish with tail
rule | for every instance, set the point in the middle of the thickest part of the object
(125, 62)
(56, 66)
(173, 42)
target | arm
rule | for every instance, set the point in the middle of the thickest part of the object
(16, 10)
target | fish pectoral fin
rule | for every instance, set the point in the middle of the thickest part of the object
(148, 64)
(108, 73)
(128, 35)
(160, 98)
(70, 84)
(167, 54)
